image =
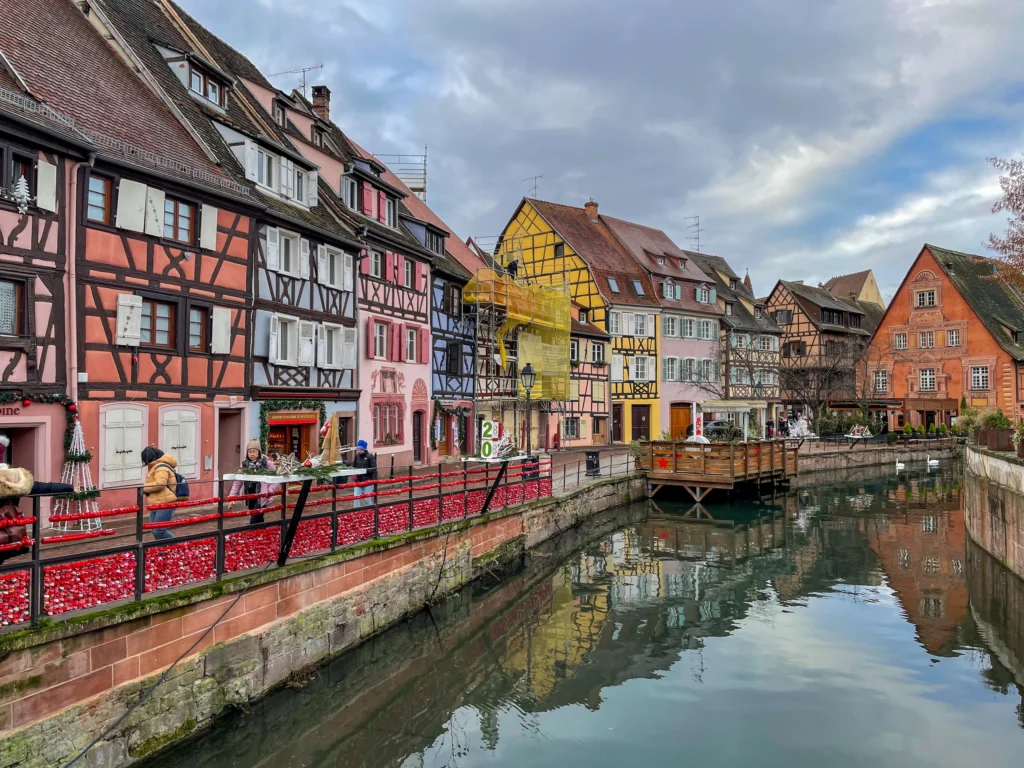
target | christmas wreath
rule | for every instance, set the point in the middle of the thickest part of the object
(27, 399)
(441, 411)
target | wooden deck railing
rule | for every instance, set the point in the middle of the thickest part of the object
(733, 461)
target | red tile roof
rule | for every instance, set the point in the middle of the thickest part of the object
(66, 63)
(648, 245)
(595, 243)
(846, 286)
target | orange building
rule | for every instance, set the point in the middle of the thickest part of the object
(953, 330)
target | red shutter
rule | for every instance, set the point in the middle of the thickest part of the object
(401, 342)
(382, 207)
(364, 264)
(389, 266)
(395, 342)
(367, 198)
(369, 338)
(399, 269)
(424, 345)
(421, 277)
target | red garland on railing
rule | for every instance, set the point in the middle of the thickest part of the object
(92, 515)
(78, 536)
(184, 504)
(7, 522)
(23, 544)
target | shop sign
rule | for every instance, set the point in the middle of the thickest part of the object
(9, 410)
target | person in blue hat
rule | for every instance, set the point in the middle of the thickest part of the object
(368, 461)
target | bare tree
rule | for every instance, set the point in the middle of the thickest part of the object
(817, 379)
(1011, 246)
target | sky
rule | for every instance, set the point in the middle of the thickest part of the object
(812, 137)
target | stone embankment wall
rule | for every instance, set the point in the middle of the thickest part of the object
(994, 505)
(844, 458)
(60, 686)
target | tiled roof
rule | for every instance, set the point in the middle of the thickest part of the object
(587, 329)
(647, 245)
(812, 300)
(67, 64)
(595, 243)
(992, 298)
(740, 319)
(229, 58)
(846, 286)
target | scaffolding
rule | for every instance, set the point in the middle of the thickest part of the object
(411, 170)
(519, 321)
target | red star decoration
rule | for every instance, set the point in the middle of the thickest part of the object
(663, 463)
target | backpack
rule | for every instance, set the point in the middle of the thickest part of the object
(181, 487)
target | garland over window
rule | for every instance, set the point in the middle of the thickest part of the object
(27, 399)
(440, 411)
(269, 406)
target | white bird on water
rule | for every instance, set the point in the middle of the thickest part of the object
(932, 462)
(900, 465)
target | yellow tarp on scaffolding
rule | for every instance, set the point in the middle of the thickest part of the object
(545, 315)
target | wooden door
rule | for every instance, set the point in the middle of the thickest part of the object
(417, 437)
(617, 422)
(229, 441)
(680, 414)
(641, 422)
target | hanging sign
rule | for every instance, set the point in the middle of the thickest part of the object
(490, 433)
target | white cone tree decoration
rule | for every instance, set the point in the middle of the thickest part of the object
(21, 194)
(84, 500)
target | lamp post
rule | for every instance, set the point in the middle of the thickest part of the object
(529, 378)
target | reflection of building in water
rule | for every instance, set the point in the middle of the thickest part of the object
(922, 553)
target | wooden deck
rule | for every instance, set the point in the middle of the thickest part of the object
(701, 468)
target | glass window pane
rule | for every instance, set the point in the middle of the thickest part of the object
(163, 310)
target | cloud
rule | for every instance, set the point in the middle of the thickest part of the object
(776, 122)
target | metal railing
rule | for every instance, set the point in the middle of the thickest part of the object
(575, 473)
(54, 575)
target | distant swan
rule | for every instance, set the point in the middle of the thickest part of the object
(900, 464)
(932, 462)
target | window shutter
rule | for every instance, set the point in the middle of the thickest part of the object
(321, 347)
(665, 369)
(400, 347)
(220, 337)
(382, 207)
(154, 211)
(304, 258)
(113, 444)
(288, 177)
(421, 277)
(312, 192)
(696, 293)
(618, 365)
(628, 321)
(179, 438)
(321, 264)
(273, 249)
(367, 198)
(131, 205)
(424, 350)
(129, 320)
(714, 295)
(679, 292)
(632, 368)
(208, 228)
(574, 389)
(274, 350)
(389, 266)
(652, 369)
(46, 186)
(364, 263)
(348, 359)
(583, 426)
(369, 338)
(400, 270)
(652, 329)
(393, 342)
(346, 269)
(251, 160)
(307, 343)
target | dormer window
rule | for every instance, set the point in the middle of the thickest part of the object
(350, 192)
(391, 215)
(757, 312)
(318, 137)
(583, 316)
(728, 307)
(279, 113)
(661, 261)
(682, 264)
(613, 285)
(703, 295)
(435, 242)
(733, 283)
(206, 86)
(638, 287)
(266, 164)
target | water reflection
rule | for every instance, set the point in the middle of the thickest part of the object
(841, 624)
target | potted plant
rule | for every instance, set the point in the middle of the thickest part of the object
(636, 450)
(942, 430)
(920, 429)
(908, 430)
(998, 431)
(1018, 439)
(931, 430)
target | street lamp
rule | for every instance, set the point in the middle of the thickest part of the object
(529, 378)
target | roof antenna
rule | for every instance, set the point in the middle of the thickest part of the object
(534, 179)
(302, 72)
(696, 228)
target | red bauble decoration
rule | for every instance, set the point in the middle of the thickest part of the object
(26, 402)
(72, 408)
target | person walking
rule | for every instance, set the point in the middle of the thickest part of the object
(255, 461)
(161, 482)
(368, 461)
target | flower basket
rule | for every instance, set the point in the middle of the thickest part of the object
(1000, 440)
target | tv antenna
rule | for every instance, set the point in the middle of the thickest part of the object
(696, 229)
(534, 179)
(301, 71)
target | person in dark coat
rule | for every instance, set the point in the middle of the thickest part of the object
(368, 461)
(513, 269)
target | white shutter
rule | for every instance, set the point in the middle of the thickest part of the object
(113, 445)
(46, 186)
(347, 269)
(274, 353)
(339, 347)
(251, 160)
(617, 367)
(651, 328)
(574, 389)
(287, 177)
(312, 193)
(304, 258)
(599, 392)
(273, 248)
(307, 339)
(155, 211)
(583, 426)
(321, 347)
(652, 369)
(348, 359)
(208, 232)
(131, 205)
(321, 264)
(629, 323)
(666, 369)
(220, 338)
(129, 320)
(632, 369)
(180, 438)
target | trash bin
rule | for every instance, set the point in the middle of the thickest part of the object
(531, 468)
(593, 463)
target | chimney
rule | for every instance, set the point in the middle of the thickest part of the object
(591, 208)
(322, 102)
(797, 282)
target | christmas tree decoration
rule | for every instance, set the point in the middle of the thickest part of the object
(83, 501)
(21, 195)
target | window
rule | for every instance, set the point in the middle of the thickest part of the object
(733, 283)
(831, 317)
(638, 288)
(376, 264)
(640, 369)
(757, 312)
(334, 272)
(905, 558)
(767, 343)
(203, 85)
(387, 423)
(265, 163)
(930, 524)
(290, 250)
(925, 299)
(669, 369)
(278, 114)
(380, 341)
(411, 339)
(597, 352)
(794, 349)
(179, 220)
(855, 321)
(707, 370)
(574, 349)
(583, 316)
(783, 316)
(926, 339)
(953, 338)
(687, 331)
(392, 218)
(669, 326)
(881, 382)
(157, 326)
(572, 428)
(668, 290)
(318, 137)
(213, 92)
(198, 333)
(707, 329)
(686, 369)
(728, 308)
(12, 308)
(452, 299)
(98, 199)
(453, 359)
(613, 285)
(927, 379)
(196, 82)
(300, 185)
(682, 264)
(613, 323)
(900, 340)
(559, 250)
(979, 377)
(409, 276)
(640, 325)
(435, 242)
(349, 191)
(287, 341)
(661, 261)
(23, 166)
(703, 295)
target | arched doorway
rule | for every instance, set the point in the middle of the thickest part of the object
(417, 436)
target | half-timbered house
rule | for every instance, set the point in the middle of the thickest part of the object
(304, 341)
(586, 413)
(563, 243)
(690, 318)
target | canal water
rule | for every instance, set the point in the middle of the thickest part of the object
(849, 622)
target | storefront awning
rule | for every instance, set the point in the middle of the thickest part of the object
(732, 406)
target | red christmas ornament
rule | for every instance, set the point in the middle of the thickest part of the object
(27, 402)
(72, 408)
